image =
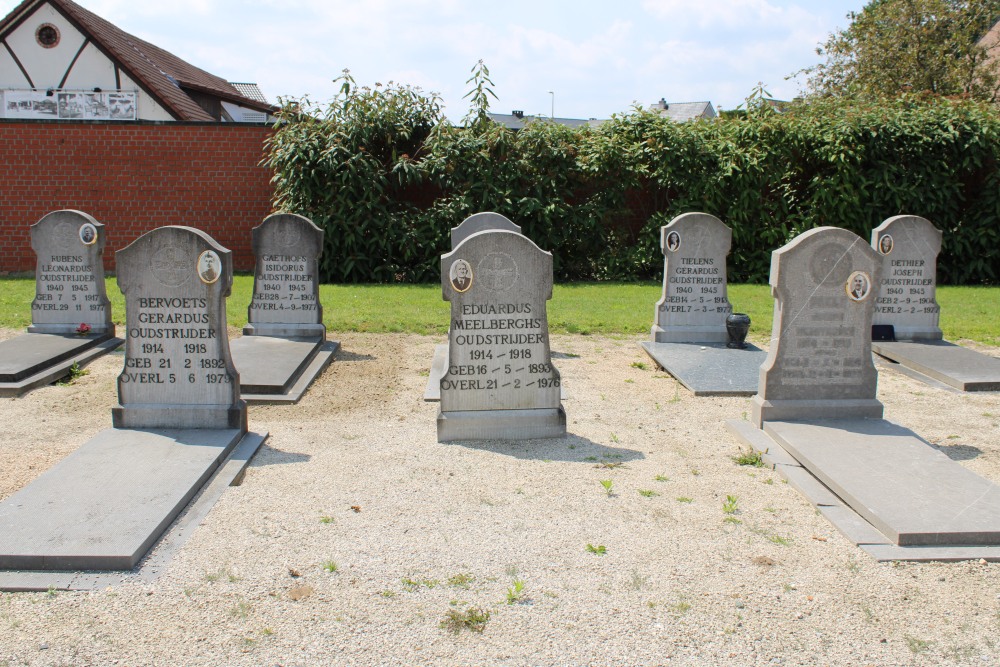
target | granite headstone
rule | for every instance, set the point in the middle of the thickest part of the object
(500, 382)
(481, 222)
(69, 275)
(819, 365)
(178, 369)
(285, 287)
(694, 303)
(906, 299)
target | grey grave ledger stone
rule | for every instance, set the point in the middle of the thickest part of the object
(70, 314)
(909, 246)
(178, 369)
(284, 346)
(689, 328)
(480, 222)
(285, 287)
(694, 303)
(819, 364)
(180, 418)
(69, 275)
(500, 382)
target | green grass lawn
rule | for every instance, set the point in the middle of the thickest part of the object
(580, 308)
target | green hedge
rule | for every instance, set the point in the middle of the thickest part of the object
(387, 176)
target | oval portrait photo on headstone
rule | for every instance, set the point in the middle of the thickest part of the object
(673, 241)
(885, 244)
(209, 267)
(460, 274)
(859, 284)
(88, 234)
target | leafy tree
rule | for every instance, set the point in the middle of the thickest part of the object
(894, 46)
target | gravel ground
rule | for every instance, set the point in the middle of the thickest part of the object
(653, 573)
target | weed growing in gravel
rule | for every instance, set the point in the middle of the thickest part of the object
(677, 394)
(684, 499)
(515, 593)
(917, 645)
(388, 594)
(220, 574)
(647, 493)
(639, 580)
(608, 485)
(614, 438)
(51, 592)
(241, 610)
(769, 480)
(414, 584)
(589, 458)
(729, 507)
(73, 374)
(681, 607)
(462, 580)
(326, 519)
(640, 365)
(610, 465)
(330, 565)
(600, 549)
(749, 458)
(695, 472)
(659, 407)
(473, 619)
(662, 478)
(783, 541)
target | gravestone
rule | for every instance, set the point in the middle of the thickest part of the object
(694, 303)
(179, 418)
(819, 365)
(689, 328)
(909, 246)
(284, 346)
(500, 382)
(70, 314)
(475, 223)
(178, 370)
(481, 222)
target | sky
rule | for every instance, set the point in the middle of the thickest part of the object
(585, 59)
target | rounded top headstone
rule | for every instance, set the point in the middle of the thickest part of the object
(480, 222)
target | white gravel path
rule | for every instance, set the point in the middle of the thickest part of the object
(443, 527)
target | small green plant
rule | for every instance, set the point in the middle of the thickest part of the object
(783, 541)
(749, 458)
(73, 373)
(330, 565)
(241, 610)
(640, 365)
(695, 472)
(729, 506)
(608, 485)
(614, 438)
(51, 592)
(516, 592)
(267, 632)
(647, 493)
(414, 584)
(388, 594)
(658, 406)
(733, 520)
(681, 607)
(462, 580)
(684, 499)
(590, 458)
(473, 619)
(662, 478)
(600, 549)
(326, 519)
(769, 481)
(917, 645)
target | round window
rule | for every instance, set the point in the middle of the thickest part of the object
(47, 35)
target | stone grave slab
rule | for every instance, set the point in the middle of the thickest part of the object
(500, 382)
(953, 365)
(694, 303)
(104, 505)
(179, 415)
(710, 369)
(283, 348)
(819, 364)
(481, 222)
(912, 493)
(70, 314)
(909, 246)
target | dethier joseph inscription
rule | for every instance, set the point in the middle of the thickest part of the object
(906, 296)
(500, 381)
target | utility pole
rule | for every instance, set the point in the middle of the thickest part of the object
(552, 93)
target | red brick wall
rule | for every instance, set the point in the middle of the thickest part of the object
(133, 177)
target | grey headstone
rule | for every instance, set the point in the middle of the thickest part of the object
(908, 246)
(69, 275)
(819, 365)
(178, 369)
(285, 286)
(500, 382)
(694, 303)
(481, 222)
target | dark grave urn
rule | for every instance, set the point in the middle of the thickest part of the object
(737, 326)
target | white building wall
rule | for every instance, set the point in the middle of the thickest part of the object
(92, 70)
(10, 73)
(149, 109)
(46, 67)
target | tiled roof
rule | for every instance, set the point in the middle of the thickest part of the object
(517, 122)
(249, 90)
(680, 112)
(159, 72)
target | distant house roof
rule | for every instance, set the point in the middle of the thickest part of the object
(680, 112)
(174, 83)
(249, 90)
(516, 120)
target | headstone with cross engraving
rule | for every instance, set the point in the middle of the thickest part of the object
(178, 369)
(819, 365)
(499, 382)
(906, 298)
